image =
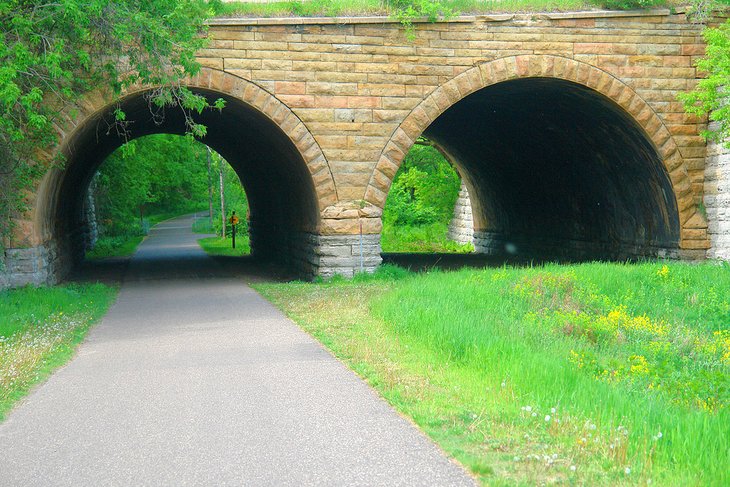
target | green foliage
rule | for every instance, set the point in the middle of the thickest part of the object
(420, 204)
(235, 199)
(160, 173)
(52, 52)
(119, 246)
(424, 190)
(428, 238)
(408, 11)
(411, 11)
(712, 94)
(631, 4)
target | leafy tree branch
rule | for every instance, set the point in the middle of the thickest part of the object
(52, 52)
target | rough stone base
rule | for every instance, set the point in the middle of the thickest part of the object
(312, 255)
(36, 266)
(717, 200)
(461, 228)
(492, 243)
(346, 254)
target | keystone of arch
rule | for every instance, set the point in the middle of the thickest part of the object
(534, 66)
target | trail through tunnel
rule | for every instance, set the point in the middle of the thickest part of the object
(282, 198)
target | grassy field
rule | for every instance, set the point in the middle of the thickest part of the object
(594, 374)
(378, 7)
(39, 331)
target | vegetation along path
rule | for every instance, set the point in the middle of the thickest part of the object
(193, 378)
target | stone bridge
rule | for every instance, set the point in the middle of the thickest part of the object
(565, 128)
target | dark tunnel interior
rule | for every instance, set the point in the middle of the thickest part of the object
(555, 169)
(277, 182)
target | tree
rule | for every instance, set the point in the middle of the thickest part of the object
(53, 52)
(162, 173)
(711, 96)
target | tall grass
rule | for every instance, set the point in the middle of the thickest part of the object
(583, 374)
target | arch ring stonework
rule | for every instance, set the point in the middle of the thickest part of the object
(490, 73)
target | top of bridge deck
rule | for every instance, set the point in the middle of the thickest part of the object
(486, 17)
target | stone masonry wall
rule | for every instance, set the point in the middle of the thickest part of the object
(311, 255)
(717, 200)
(353, 81)
(36, 265)
(461, 228)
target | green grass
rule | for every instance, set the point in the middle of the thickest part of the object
(334, 8)
(522, 374)
(114, 247)
(223, 246)
(39, 331)
(420, 238)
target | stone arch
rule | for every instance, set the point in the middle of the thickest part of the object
(284, 156)
(490, 73)
(88, 107)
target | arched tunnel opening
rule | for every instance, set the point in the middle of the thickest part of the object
(558, 171)
(281, 194)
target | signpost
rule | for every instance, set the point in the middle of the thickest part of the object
(234, 222)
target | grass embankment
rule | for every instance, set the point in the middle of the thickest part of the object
(586, 374)
(333, 8)
(219, 245)
(106, 247)
(39, 331)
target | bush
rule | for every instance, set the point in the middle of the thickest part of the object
(424, 190)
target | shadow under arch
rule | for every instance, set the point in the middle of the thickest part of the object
(563, 160)
(282, 169)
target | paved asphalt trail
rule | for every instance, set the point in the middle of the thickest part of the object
(193, 379)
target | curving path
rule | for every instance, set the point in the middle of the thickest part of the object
(193, 379)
